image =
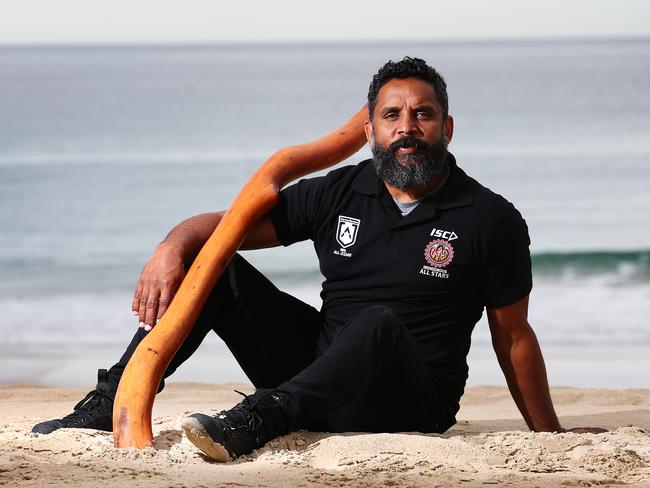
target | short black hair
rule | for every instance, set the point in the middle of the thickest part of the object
(408, 68)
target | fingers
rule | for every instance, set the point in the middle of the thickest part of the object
(142, 306)
(152, 309)
(163, 303)
(157, 284)
(151, 304)
(148, 307)
(135, 304)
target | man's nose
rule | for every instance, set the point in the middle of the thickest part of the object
(408, 125)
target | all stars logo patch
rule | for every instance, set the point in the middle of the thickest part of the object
(439, 253)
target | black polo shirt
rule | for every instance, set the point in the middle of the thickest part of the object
(460, 250)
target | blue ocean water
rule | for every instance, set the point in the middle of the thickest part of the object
(104, 149)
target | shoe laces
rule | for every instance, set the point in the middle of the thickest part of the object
(92, 400)
(87, 408)
(242, 414)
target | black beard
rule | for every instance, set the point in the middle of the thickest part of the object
(418, 168)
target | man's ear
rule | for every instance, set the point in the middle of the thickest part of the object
(448, 128)
(367, 127)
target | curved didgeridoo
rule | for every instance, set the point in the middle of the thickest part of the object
(137, 389)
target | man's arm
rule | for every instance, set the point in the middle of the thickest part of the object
(522, 363)
(190, 235)
(165, 270)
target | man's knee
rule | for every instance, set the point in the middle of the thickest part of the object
(236, 274)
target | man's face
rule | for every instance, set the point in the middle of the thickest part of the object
(408, 135)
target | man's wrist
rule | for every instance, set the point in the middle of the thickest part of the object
(168, 247)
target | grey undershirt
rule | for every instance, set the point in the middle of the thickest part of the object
(407, 207)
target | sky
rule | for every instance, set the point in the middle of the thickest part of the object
(209, 21)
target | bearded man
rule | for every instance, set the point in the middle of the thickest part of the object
(412, 251)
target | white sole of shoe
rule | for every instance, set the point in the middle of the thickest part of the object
(198, 436)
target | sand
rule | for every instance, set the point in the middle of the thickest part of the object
(489, 446)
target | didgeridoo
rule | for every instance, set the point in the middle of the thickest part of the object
(144, 371)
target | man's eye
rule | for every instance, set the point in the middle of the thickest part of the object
(424, 114)
(391, 115)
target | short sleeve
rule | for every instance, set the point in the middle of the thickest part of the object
(296, 211)
(506, 274)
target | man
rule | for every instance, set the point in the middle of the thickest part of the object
(412, 250)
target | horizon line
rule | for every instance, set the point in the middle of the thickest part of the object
(323, 42)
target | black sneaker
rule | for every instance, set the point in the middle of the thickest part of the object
(245, 427)
(93, 412)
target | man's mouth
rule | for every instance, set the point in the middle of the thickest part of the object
(406, 150)
(407, 146)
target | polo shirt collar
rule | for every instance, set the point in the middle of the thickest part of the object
(457, 192)
(367, 182)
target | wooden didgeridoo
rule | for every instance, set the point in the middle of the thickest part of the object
(139, 383)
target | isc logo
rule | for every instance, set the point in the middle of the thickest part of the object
(445, 234)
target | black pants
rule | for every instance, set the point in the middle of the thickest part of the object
(365, 377)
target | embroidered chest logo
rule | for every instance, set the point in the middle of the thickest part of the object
(438, 254)
(347, 230)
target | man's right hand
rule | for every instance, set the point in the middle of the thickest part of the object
(157, 284)
(164, 272)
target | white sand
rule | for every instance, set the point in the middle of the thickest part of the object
(489, 446)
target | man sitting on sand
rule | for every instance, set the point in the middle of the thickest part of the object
(412, 250)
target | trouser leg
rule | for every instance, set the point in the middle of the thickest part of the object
(271, 334)
(369, 379)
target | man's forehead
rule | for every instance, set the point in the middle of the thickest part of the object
(413, 90)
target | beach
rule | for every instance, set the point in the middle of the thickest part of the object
(490, 445)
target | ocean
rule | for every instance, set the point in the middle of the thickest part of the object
(104, 149)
